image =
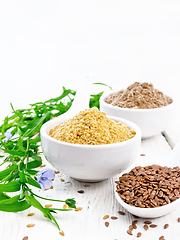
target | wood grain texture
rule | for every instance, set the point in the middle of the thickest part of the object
(97, 200)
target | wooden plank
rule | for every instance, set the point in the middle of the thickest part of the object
(97, 200)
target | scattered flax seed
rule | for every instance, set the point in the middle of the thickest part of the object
(131, 227)
(134, 226)
(48, 205)
(86, 185)
(80, 191)
(166, 226)
(61, 233)
(31, 214)
(56, 171)
(106, 216)
(25, 238)
(43, 165)
(78, 209)
(121, 213)
(30, 225)
(142, 154)
(134, 222)
(178, 219)
(147, 222)
(62, 180)
(51, 187)
(162, 238)
(129, 232)
(139, 234)
(65, 206)
(146, 227)
(114, 218)
(153, 225)
(107, 224)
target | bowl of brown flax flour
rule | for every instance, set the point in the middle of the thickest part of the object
(141, 103)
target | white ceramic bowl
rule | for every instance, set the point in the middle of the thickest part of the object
(90, 163)
(151, 121)
(149, 212)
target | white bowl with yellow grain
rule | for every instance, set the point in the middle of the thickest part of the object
(90, 146)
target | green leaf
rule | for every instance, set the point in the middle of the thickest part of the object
(32, 182)
(34, 164)
(35, 157)
(10, 187)
(15, 153)
(3, 196)
(31, 200)
(104, 85)
(7, 171)
(94, 100)
(20, 144)
(14, 205)
(32, 172)
(22, 177)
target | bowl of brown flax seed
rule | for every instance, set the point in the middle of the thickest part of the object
(141, 103)
(90, 146)
(150, 191)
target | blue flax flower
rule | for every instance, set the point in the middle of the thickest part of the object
(8, 136)
(44, 178)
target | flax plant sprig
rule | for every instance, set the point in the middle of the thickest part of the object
(19, 144)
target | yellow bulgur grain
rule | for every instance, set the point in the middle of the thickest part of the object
(91, 127)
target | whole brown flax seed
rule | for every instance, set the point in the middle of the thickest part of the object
(114, 218)
(106, 224)
(86, 185)
(25, 238)
(43, 165)
(78, 209)
(48, 205)
(80, 191)
(65, 206)
(146, 227)
(105, 217)
(166, 226)
(61, 233)
(139, 234)
(129, 232)
(30, 214)
(134, 222)
(162, 238)
(153, 225)
(30, 225)
(121, 213)
(178, 219)
(147, 222)
(131, 227)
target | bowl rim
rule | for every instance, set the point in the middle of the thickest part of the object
(131, 209)
(107, 93)
(54, 122)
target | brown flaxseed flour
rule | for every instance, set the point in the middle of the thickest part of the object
(139, 96)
